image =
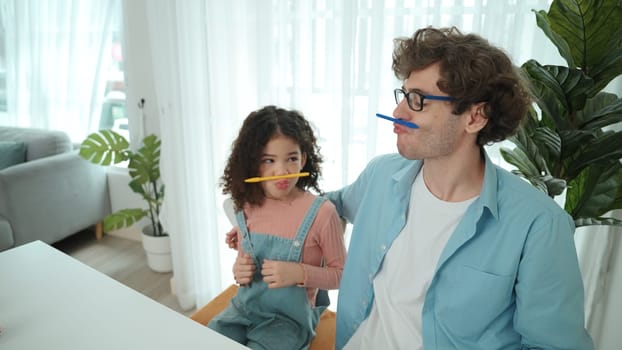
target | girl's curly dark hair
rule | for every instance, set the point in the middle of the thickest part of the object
(472, 71)
(258, 128)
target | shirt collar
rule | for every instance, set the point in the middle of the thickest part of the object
(405, 177)
(488, 197)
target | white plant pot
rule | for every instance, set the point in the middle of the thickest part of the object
(158, 251)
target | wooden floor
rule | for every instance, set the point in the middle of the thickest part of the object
(125, 261)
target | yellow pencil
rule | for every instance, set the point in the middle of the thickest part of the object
(268, 178)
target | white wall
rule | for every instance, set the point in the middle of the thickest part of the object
(138, 72)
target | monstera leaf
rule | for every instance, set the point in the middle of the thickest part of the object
(123, 218)
(144, 165)
(105, 147)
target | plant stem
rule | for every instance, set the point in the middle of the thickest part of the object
(156, 230)
(157, 208)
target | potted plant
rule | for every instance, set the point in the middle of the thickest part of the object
(570, 142)
(106, 147)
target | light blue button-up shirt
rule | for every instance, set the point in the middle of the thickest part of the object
(508, 277)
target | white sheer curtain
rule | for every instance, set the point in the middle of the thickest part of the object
(55, 62)
(215, 61)
(190, 146)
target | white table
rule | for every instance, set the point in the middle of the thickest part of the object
(49, 300)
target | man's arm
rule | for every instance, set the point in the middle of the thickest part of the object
(549, 289)
(347, 200)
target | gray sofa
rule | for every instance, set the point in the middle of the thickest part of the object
(47, 191)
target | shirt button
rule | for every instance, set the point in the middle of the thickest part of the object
(383, 247)
(371, 278)
(296, 243)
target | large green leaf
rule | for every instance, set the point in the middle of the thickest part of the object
(582, 24)
(551, 97)
(603, 110)
(609, 68)
(605, 148)
(530, 144)
(104, 147)
(574, 141)
(542, 19)
(587, 31)
(574, 83)
(548, 142)
(123, 218)
(540, 178)
(521, 161)
(561, 91)
(618, 201)
(593, 193)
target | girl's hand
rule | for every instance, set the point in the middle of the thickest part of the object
(243, 269)
(232, 238)
(279, 274)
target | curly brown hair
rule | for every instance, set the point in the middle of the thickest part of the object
(472, 71)
(258, 129)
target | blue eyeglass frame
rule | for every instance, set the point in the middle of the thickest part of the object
(421, 98)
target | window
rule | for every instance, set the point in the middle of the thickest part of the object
(2, 69)
(61, 66)
(113, 114)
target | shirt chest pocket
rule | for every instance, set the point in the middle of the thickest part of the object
(468, 300)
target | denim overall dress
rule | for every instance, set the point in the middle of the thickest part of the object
(279, 318)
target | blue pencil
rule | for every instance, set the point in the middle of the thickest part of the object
(398, 121)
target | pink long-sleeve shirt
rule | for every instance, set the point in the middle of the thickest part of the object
(325, 238)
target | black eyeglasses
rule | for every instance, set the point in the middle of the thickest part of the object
(415, 99)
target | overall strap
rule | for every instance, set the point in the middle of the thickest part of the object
(247, 245)
(295, 252)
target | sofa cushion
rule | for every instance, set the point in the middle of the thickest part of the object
(11, 153)
(39, 142)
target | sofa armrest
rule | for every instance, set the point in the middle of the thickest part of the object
(53, 197)
(6, 234)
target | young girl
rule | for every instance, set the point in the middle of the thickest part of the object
(290, 241)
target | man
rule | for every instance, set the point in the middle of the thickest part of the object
(449, 251)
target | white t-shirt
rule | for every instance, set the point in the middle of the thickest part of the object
(408, 267)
